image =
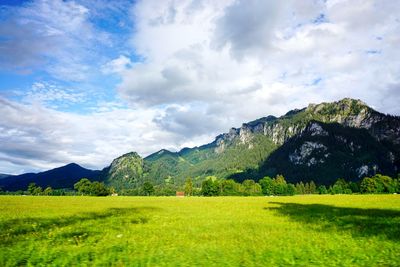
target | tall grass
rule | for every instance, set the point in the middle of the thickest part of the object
(340, 230)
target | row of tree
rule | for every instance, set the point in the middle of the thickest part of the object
(86, 187)
(83, 187)
(212, 186)
(278, 186)
(35, 190)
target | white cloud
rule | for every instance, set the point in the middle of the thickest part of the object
(47, 93)
(55, 36)
(247, 27)
(207, 66)
(34, 137)
(118, 65)
(216, 54)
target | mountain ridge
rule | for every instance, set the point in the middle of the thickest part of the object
(346, 112)
(277, 145)
(61, 177)
(4, 175)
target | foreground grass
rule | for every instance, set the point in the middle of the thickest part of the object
(340, 230)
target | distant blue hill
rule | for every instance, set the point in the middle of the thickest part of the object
(62, 177)
(3, 175)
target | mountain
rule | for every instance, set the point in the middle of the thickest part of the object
(324, 152)
(62, 177)
(321, 142)
(3, 175)
(126, 171)
(324, 142)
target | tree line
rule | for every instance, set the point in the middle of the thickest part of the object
(277, 186)
(377, 184)
(213, 186)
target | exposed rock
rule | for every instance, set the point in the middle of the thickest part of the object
(326, 133)
(301, 156)
(245, 135)
(279, 133)
(348, 112)
(224, 139)
(362, 171)
(316, 129)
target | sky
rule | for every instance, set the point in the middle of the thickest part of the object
(86, 81)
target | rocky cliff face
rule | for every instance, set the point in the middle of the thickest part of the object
(355, 113)
(324, 152)
(321, 142)
(347, 112)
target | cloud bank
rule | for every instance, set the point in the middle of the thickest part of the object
(200, 67)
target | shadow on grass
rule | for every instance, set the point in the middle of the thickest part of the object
(13, 230)
(360, 222)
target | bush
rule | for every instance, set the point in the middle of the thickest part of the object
(99, 189)
(209, 188)
(379, 184)
(277, 186)
(322, 190)
(85, 187)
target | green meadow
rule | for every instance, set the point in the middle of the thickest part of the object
(314, 230)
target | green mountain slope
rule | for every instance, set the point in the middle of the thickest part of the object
(359, 141)
(127, 171)
(221, 158)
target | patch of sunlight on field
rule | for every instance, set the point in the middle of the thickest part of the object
(340, 230)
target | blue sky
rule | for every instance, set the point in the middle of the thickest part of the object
(43, 59)
(88, 80)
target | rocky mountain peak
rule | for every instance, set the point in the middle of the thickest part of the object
(348, 112)
(346, 106)
(127, 166)
(129, 155)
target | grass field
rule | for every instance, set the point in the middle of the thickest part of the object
(339, 230)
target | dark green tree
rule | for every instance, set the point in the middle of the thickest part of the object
(307, 188)
(385, 182)
(368, 185)
(340, 187)
(209, 188)
(300, 188)
(83, 186)
(189, 187)
(38, 191)
(313, 188)
(148, 188)
(267, 185)
(354, 187)
(336, 189)
(379, 184)
(251, 188)
(290, 189)
(280, 185)
(31, 188)
(34, 190)
(396, 185)
(99, 189)
(48, 191)
(230, 188)
(322, 190)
